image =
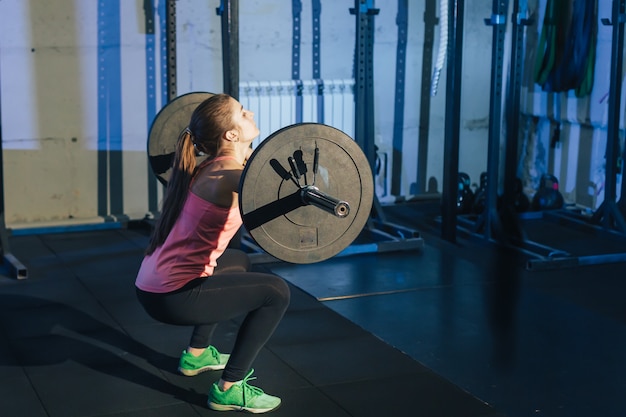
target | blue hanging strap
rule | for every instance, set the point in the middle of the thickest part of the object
(576, 69)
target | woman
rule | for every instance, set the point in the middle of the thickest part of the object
(190, 277)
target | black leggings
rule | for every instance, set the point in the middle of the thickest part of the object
(230, 292)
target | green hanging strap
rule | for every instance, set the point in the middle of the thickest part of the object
(546, 51)
(586, 84)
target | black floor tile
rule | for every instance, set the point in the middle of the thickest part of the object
(124, 310)
(421, 394)
(17, 396)
(370, 274)
(72, 245)
(25, 294)
(46, 319)
(311, 326)
(33, 249)
(8, 362)
(301, 300)
(334, 361)
(599, 288)
(177, 410)
(75, 389)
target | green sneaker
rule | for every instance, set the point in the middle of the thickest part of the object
(242, 397)
(209, 360)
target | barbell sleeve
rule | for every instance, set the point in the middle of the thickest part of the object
(312, 195)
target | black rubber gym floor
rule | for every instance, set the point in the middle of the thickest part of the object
(451, 330)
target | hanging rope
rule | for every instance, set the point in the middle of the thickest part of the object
(443, 46)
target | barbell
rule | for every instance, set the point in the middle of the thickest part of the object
(305, 193)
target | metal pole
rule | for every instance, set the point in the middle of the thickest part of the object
(513, 104)
(18, 269)
(489, 219)
(398, 121)
(608, 213)
(364, 78)
(229, 11)
(512, 112)
(316, 24)
(452, 120)
(430, 20)
(364, 86)
(151, 95)
(170, 39)
(296, 11)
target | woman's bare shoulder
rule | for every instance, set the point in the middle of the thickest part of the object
(218, 183)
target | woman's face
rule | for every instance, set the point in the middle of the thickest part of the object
(244, 120)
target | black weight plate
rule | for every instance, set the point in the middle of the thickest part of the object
(165, 130)
(271, 205)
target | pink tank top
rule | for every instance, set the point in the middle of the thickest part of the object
(199, 236)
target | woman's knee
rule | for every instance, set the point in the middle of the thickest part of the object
(281, 290)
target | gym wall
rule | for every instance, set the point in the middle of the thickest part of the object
(81, 81)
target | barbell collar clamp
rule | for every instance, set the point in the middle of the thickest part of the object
(312, 195)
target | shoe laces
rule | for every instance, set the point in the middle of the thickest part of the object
(250, 390)
(214, 353)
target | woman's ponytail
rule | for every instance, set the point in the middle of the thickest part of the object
(183, 170)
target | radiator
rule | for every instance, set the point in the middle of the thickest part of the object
(277, 104)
